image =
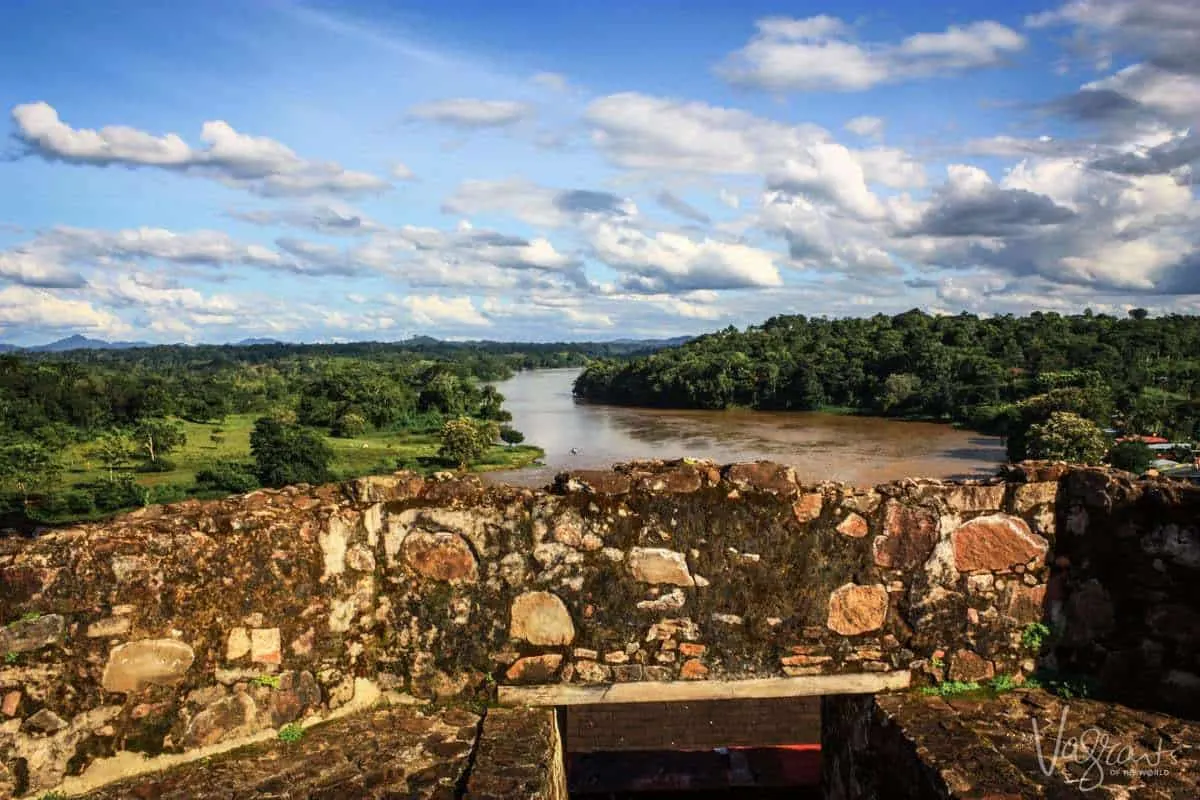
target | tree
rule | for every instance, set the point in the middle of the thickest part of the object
(1133, 456)
(510, 435)
(29, 467)
(464, 440)
(159, 437)
(286, 454)
(897, 389)
(1067, 437)
(349, 425)
(115, 450)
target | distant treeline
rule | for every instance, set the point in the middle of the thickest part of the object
(995, 374)
(76, 393)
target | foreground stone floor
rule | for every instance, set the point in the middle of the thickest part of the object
(968, 747)
(400, 752)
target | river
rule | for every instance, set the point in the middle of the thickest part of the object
(859, 450)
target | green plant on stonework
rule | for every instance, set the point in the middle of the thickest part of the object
(1003, 683)
(1067, 687)
(267, 680)
(30, 616)
(53, 796)
(1034, 636)
(951, 688)
(936, 662)
(11, 657)
(292, 732)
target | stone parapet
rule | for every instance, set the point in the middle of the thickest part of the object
(189, 625)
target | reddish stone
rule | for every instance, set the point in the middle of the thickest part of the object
(1025, 603)
(808, 507)
(681, 480)
(600, 481)
(441, 557)
(968, 666)
(534, 669)
(765, 476)
(910, 534)
(854, 526)
(692, 649)
(855, 609)
(693, 670)
(995, 543)
(11, 702)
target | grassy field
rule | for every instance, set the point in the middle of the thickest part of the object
(371, 453)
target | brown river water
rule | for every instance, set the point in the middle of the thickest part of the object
(863, 451)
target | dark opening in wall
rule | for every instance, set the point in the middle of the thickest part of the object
(713, 748)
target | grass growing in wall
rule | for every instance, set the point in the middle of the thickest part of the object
(1035, 636)
(291, 733)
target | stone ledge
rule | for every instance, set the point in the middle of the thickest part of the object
(519, 755)
(671, 691)
(987, 747)
(394, 752)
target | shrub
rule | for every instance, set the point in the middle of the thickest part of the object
(227, 476)
(79, 501)
(1034, 636)
(169, 493)
(120, 492)
(349, 425)
(1132, 456)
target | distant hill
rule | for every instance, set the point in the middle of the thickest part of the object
(674, 341)
(78, 342)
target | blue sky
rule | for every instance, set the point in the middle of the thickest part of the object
(374, 170)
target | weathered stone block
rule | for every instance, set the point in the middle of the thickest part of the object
(855, 609)
(440, 557)
(228, 718)
(27, 635)
(853, 526)
(265, 646)
(534, 669)
(764, 476)
(149, 662)
(238, 644)
(658, 565)
(808, 507)
(109, 627)
(909, 536)
(996, 543)
(1027, 496)
(968, 666)
(541, 618)
(971, 499)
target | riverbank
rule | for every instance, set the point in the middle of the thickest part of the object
(381, 452)
(857, 449)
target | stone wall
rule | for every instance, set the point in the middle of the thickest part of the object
(197, 624)
(696, 725)
(1125, 594)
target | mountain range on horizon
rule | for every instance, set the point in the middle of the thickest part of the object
(80, 342)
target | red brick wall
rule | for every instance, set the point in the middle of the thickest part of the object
(693, 725)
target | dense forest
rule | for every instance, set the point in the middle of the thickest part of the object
(88, 432)
(998, 375)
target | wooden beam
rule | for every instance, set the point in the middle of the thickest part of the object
(674, 691)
